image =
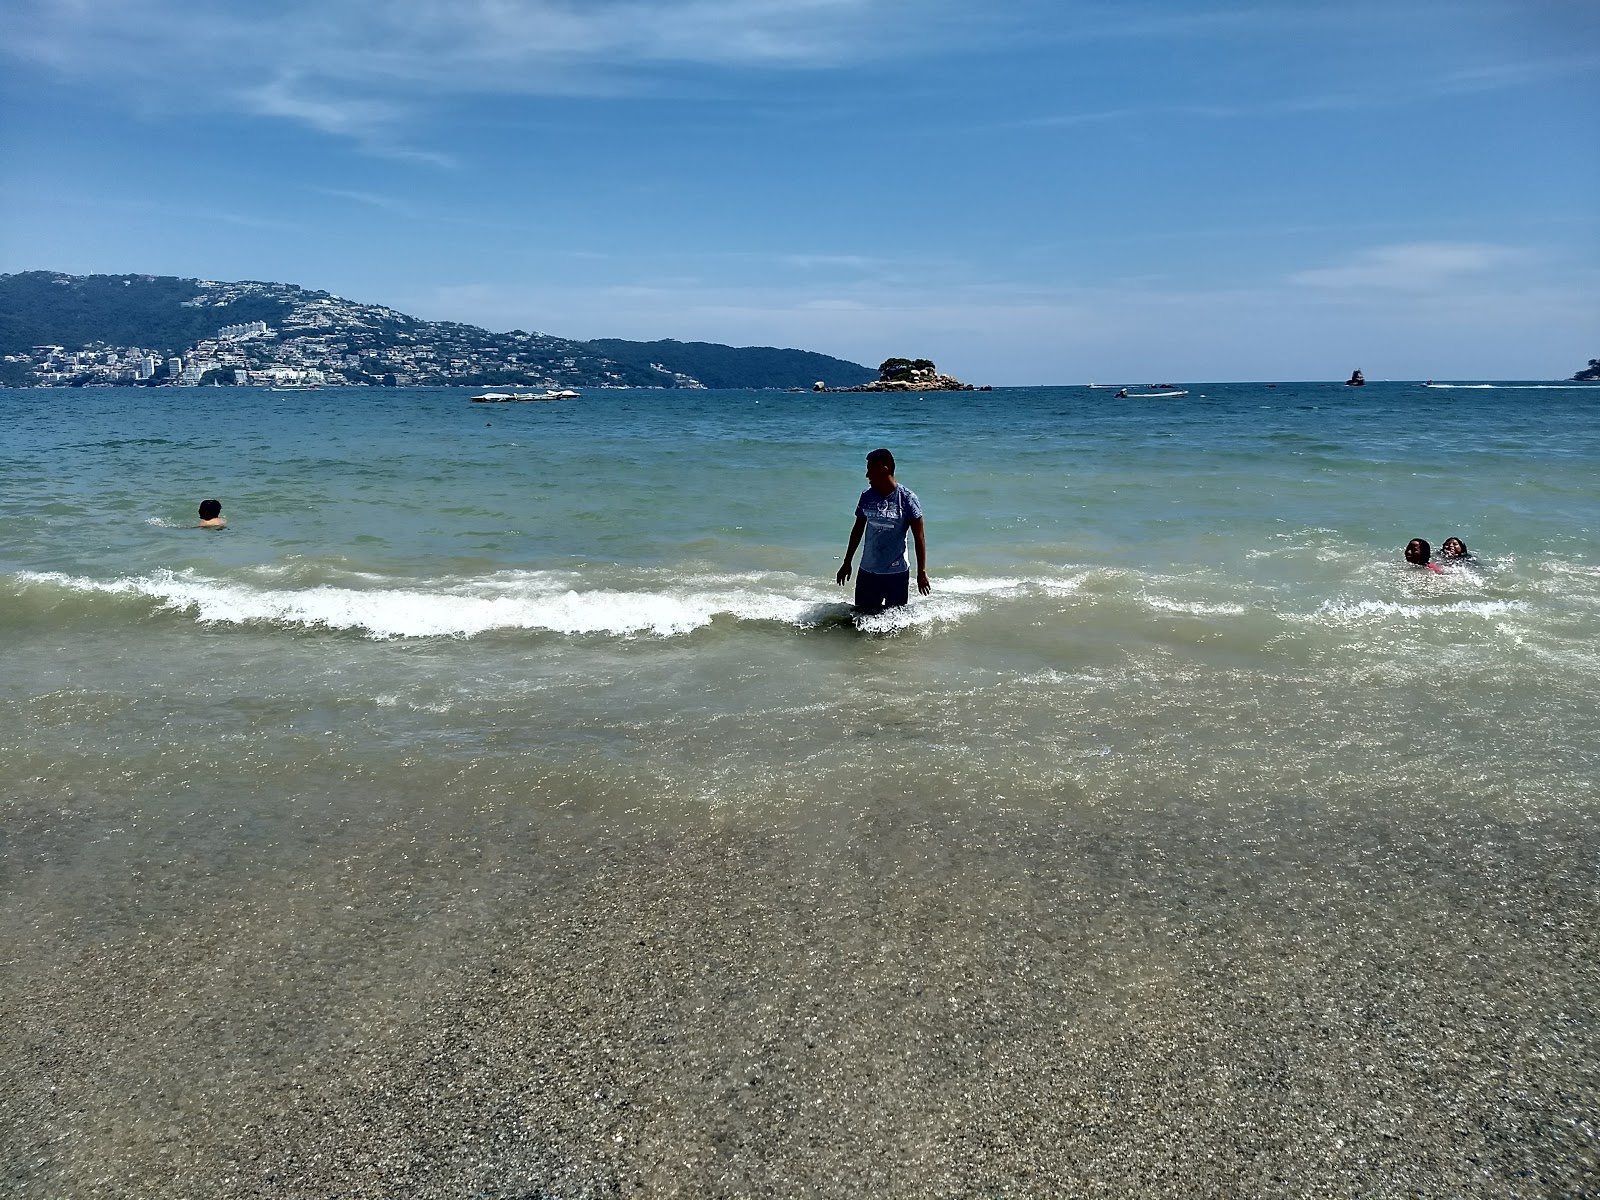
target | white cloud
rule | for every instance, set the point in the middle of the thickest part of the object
(448, 45)
(359, 68)
(1411, 267)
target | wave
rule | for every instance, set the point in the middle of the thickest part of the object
(638, 603)
(662, 603)
(1356, 610)
(1194, 607)
(1514, 387)
(457, 609)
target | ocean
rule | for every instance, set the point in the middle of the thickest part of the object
(508, 786)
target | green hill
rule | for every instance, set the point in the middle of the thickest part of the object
(717, 366)
(156, 312)
(60, 330)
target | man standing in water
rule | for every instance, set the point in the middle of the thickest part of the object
(883, 515)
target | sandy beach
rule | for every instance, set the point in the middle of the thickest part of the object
(1392, 1001)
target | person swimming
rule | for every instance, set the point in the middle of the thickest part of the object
(1455, 548)
(211, 515)
(1418, 554)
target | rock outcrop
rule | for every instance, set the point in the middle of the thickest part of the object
(910, 375)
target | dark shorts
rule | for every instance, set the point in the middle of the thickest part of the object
(874, 593)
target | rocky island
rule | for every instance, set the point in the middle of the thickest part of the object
(1589, 375)
(907, 375)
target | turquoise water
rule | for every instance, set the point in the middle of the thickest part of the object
(508, 792)
(1176, 594)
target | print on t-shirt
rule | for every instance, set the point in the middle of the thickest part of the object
(883, 544)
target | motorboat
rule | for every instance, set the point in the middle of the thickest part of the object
(1357, 379)
(1152, 395)
(510, 397)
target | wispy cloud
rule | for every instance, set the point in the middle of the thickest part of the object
(359, 69)
(1485, 77)
(1411, 267)
(370, 199)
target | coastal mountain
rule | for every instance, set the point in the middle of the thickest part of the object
(717, 366)
(60, 330)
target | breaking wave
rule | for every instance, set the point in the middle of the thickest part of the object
(1358, 610)
(621, 602)
(456, 609)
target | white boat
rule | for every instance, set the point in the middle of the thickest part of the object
(1151, 395)
(508, 397)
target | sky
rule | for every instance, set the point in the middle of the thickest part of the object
(1025, 191)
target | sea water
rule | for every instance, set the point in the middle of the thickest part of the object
(1194, 596)
(1164, 589)
(1188, 598)
(1175, 712)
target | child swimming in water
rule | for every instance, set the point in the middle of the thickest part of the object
(211, 515)
(1418, 554)
(1455, 548)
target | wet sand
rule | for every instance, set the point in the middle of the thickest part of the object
(1259, 1001)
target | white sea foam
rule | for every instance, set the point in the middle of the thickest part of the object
(966, 585)
(922, 613)
(463, 609)
(1193, 607)
(652, 603)
(1359, 610)
(1061, 587)
(648, 603)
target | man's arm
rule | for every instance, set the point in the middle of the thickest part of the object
(923, 585)
(859, 528)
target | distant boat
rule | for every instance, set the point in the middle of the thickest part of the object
(509, 397)
(1152, 395)
(1357, 379)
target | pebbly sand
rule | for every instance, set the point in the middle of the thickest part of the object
(930, 1001)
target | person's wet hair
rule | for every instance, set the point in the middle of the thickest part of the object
(210, 510)
(882, 455)
(1418, 552)
(1453, 547)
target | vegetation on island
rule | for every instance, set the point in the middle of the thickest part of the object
(909, 375)
(904, 370)
(1591, 374)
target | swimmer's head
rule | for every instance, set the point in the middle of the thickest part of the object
(880, 470)
(1418, 552)
(1453, 547)
(210, 510)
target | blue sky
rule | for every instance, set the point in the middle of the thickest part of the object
(1026, 192)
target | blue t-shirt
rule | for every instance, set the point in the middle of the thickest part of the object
(883, 543)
